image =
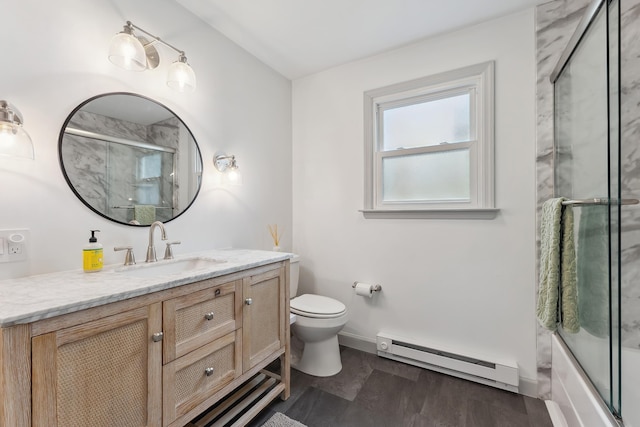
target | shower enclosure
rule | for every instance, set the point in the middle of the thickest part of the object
(590, 165)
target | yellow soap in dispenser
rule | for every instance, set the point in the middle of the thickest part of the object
(92, 254)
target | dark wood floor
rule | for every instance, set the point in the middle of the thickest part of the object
(373, 391)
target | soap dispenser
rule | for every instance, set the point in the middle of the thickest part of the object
(92, 254)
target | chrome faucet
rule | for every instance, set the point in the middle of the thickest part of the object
(151, 250)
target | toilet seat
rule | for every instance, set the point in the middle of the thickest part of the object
(317, 306)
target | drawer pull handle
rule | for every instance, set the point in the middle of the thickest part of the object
(209, 316)
(248, 301)
(208, 372)
(157, 337)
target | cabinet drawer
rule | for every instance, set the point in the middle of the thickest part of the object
(191, 379)
(196, 319)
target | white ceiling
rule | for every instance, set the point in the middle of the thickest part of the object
(302, 37)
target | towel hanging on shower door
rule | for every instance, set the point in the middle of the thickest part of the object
(144, 214)
(557, 268)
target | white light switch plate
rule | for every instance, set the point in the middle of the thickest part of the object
(14, 245)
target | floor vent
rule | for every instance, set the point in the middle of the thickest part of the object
(497, 374)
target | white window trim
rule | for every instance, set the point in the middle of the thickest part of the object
(481, 206)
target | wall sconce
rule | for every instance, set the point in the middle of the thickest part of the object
(228, 166)
(14, 140)
(137, 53)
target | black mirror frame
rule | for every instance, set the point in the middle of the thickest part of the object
(66, 177)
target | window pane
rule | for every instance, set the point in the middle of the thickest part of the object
(149, 184)
(427, 123)
(434, 176)
(150, 166)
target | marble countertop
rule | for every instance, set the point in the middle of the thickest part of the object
(32, 298)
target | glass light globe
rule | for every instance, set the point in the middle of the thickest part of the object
(127, 52)
(234, 177)
(15, 141)
(181, 76)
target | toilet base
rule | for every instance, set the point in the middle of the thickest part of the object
(321, 358)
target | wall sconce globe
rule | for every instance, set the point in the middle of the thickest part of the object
(181, 76)
(14, 140)
(127, 52)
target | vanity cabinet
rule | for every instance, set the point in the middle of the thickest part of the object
(160, 359)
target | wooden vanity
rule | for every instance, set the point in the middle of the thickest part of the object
(186, 350)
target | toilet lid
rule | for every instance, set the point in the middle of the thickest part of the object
(316, 305)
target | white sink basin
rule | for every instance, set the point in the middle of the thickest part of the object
(163, 268)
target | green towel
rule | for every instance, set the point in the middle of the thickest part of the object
(557, 268)
(144, 214)
(593, 269)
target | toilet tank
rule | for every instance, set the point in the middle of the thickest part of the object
(294, 275)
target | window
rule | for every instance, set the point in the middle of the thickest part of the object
(429, 146)
(149, 179)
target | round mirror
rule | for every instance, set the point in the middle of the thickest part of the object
(130, 159)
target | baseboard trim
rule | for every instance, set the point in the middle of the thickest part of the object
(358, 342)
(555, 413)
(527, 386)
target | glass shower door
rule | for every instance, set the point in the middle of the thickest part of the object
(587, 170)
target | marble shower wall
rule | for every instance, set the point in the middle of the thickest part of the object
(167, 134)
(630, 171)
(556, 22)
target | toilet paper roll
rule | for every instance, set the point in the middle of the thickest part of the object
(364, 289)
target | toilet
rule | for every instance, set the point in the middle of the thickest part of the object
(318, 321)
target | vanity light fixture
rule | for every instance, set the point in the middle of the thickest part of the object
(14, 140)
(137, 53)
(228, 166)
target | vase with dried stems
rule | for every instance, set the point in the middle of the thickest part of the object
(275, 235)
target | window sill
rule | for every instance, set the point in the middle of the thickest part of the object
(490, 213)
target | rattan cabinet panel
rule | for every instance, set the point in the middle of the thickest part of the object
(101, 373)
(264, 316)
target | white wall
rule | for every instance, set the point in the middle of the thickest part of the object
(55, 57)
(468, 284)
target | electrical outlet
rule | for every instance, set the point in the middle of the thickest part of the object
(14, 245)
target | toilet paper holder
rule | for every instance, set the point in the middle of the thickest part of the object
(374, 288)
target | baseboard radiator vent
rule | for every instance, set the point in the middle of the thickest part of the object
(501, 375)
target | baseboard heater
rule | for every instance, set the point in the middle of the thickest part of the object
(501, 375)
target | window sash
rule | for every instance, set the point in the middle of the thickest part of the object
(380, 203)
(382, 107)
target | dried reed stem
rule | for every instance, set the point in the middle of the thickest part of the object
(273, 230)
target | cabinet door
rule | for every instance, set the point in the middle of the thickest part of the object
(103, 373)
(263, 316)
